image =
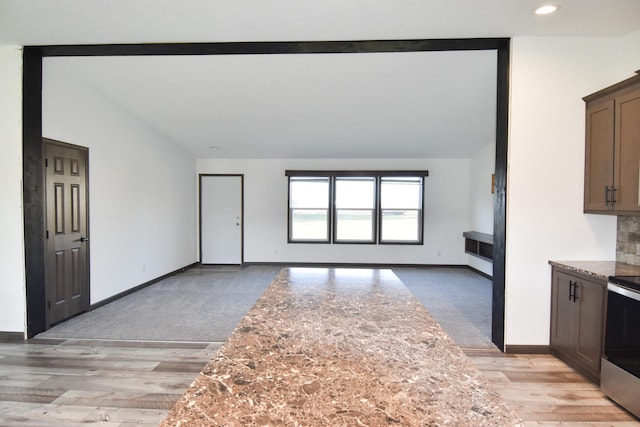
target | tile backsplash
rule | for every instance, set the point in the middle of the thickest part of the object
(628, 240)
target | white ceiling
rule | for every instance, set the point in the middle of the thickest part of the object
(398, 105)
(382, 105)
(29, 22)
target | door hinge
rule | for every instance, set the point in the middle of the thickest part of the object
(47, 234)
(49, 304)
(46, 163)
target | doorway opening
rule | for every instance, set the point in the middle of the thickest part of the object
(32, 137)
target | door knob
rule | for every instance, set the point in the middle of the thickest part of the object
(84, 239)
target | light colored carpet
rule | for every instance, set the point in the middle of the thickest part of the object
(200, 304)
(206, 304)
(458, 298)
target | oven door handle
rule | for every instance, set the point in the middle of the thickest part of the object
(623, 291)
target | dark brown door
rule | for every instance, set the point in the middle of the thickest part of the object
(67, 246)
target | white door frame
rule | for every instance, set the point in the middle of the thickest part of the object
(240, 221)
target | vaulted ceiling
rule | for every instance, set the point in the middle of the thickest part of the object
(379, 105)
(382, 105)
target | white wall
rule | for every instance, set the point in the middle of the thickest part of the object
(12, 279)
(142, 203)
(627, 58)
(446, 212)
(481, 200)
(549, 77)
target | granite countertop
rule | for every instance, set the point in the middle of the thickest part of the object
(348, 347)
(598, 269)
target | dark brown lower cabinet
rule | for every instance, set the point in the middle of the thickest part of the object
(577, 321)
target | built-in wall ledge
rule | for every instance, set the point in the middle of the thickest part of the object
(479, 244)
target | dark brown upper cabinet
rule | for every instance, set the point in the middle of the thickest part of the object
(612, 155)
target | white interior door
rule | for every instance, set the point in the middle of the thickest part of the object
(221, 219)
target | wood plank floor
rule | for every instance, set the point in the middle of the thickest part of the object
(124, 383)
(109, 383)
(545, 391)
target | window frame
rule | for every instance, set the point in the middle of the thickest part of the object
(377, 211)
(290, 210)
(420, 210)
(374, 212)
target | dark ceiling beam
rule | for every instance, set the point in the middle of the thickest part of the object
(262, 48)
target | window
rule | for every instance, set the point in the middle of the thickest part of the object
(401, 209)
(356, 207)
(309, 209)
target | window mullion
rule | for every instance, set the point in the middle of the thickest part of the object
(378, 212)
(332, 209)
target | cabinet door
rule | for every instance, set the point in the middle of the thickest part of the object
(590, 318)
(627, 152)
(563, 313)
(599, 158)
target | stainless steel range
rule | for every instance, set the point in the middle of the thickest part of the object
(620, 375)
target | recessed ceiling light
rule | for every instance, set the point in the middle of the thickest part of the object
(546, 9)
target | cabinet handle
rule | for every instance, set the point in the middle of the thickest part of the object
(571, 290)
(606, 195)
(613, 195)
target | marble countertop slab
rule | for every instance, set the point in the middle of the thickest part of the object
(340, 347)
(598, 269)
